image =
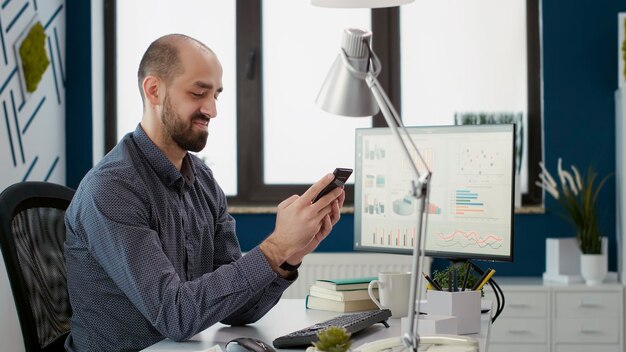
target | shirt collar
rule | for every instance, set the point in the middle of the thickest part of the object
(163, 167)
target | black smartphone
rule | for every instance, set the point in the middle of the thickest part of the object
(341, 176)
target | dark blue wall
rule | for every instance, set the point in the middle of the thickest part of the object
(78, 117)
(580, 77)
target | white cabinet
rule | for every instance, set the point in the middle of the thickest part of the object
(587, 316)
(524, 324)
(557, 317)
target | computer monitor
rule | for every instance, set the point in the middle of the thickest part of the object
(470, 206)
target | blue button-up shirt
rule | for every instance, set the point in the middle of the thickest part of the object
(152, 253)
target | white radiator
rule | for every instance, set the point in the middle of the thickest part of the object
(343, 265)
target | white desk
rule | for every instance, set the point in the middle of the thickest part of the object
(287, 316)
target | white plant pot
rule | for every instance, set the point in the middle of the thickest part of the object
(593, 268)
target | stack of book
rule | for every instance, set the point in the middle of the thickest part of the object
(341, 295)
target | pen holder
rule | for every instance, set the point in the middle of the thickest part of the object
(464, 305)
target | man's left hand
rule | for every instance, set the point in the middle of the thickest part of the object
(327, 224)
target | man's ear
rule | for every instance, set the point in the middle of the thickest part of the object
(151, 89)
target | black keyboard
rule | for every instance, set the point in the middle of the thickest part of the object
(353, 322)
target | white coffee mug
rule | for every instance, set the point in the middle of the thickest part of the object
(393, 290)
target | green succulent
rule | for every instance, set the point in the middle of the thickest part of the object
(34, 57)
(333, 339)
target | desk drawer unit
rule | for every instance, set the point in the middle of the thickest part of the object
(585, 348)
(525, 304)
(603, 330)
(586, 304)
(587, 319)
(524, 324)
(520, 330)
(555, 317)
(497, 347)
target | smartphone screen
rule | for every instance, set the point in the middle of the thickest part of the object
(341, 176)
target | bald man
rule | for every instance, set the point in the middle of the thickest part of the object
(151, 249)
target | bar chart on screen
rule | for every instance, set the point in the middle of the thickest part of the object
(393, 236)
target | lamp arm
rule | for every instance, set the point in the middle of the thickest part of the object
(403, 129)
(420, 192)
(389, 112)
(390, 117)
(397, 127)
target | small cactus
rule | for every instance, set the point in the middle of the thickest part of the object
(333, 339)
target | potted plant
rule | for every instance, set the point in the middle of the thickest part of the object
(332, 339)
(578, 196)
(442, 276)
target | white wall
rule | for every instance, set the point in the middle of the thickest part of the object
(32, 125)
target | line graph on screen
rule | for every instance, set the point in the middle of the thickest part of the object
(463, 239)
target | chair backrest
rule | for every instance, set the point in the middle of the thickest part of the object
(32, 233)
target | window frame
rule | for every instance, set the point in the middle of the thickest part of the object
(251, 190)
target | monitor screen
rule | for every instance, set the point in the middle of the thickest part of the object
(470, 203)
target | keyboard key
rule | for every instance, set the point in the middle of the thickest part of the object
(353, 323)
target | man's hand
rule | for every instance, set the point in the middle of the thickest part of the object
(301, 225)
(327, 225)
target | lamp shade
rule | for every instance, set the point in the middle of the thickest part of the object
(359, 3)
(344, 94)
(345, 91)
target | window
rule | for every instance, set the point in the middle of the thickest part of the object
(190, 18)
(270, 140)
(474, 70)
(301, 142)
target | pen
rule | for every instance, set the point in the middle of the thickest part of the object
(438, 285)
(432, 282)
(482, 277)
(467, 272)
(489, 275)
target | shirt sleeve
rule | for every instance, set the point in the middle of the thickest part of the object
(114, 219)
(226, 251)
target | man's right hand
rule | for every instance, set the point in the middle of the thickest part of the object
(298, 221)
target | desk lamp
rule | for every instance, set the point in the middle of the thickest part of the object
(352, 89)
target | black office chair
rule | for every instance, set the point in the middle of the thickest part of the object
(32, 232)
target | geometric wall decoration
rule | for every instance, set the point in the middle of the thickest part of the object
(32, 124)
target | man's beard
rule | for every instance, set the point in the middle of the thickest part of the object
(182, 134)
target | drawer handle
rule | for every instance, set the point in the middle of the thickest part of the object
(518, 305)
(588, 302)
(591, 331)
(518, 331)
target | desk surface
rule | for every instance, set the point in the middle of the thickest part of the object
(287, 316)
